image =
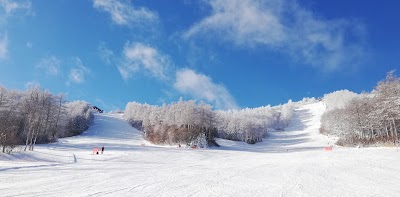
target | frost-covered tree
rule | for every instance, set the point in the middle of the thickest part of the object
(78, 117)
(388, 96)
(367, 118)
(185, 121)
(175, 123)
(285, 115)
(251, 125)
(338, 99)
(35, 116)
(9, 120)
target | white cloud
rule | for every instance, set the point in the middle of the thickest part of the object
(78, 73)
(286, 27)
(29, 45)
(139, 56)
(11, 7)
(8, 6)
(3, 46)
(202, 87)
(123, 13)
(50, 64)
(242, 21)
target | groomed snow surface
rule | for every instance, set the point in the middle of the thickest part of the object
(287, 163)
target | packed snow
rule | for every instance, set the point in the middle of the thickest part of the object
(287, 163)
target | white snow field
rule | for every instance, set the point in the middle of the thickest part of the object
(288, 163)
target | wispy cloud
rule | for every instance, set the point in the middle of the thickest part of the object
(78, 72)
(284, 26)
(202, 87)
(12, 7)
(105, 54)
(138, 56)
(101, 103)
(51, 65)
(9, 8)
(124, 13)
(106, 107)
(30, 84)
(3, 46)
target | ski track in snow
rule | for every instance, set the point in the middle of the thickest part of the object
(287, 163)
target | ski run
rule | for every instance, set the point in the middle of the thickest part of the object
(287, 163)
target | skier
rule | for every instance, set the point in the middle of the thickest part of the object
(102, 150)
(95, 151)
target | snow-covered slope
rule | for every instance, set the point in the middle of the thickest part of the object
(302, 134)
(303, 131)
(288, 163)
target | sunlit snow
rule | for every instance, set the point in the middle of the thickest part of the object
(286, 163)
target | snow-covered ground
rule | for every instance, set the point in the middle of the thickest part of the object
(288, 163)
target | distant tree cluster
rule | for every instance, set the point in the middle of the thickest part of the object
(251, 125)
(34, 116)
(190, 123)
(183, 122)
(367, 118)
(76, 119)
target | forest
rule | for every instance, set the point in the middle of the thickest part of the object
(364, 119)
(192, 123)
(35, 116)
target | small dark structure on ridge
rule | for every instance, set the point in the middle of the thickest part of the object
(98, 109)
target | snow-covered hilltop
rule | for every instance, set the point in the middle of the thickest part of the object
(287, 163)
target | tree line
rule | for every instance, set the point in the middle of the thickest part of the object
(182, 122)
(367, 118)
(251, 125)
(34, 116)
(188, 122)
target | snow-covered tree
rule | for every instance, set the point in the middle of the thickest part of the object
(35, 116)
(338, 99)
(367, 118)
(180, 122)
(251, 125)
(78, 117)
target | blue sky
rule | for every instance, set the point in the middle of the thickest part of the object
(229, 53)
